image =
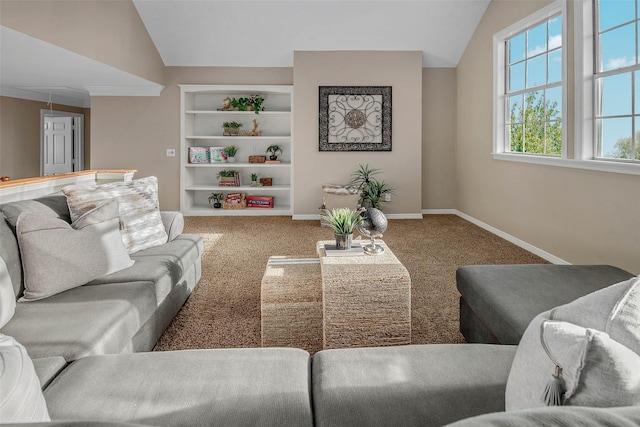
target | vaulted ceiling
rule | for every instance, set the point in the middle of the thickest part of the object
(244, 33)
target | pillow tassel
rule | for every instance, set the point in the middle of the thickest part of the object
(554, 391)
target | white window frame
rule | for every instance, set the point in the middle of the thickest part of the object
(500, 143)
(583, 94)
(584, 97)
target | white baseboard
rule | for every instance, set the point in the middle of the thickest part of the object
(316, 217)
(439, 212)
(508, 237)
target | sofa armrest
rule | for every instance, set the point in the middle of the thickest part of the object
(173, 223)
(47, 368)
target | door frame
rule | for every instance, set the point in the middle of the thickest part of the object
(78, 137)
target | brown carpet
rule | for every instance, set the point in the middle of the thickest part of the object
(224, 309)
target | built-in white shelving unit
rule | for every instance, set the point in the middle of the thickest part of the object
(201, 126)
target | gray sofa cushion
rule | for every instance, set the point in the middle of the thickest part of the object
(83, 321)
(225, 387)
(163, 265)
(505, 298)
(409, 385)
(628, 416)
(53, 205)
(47, 368)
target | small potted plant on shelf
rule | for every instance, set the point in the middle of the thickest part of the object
(251, 103)
(254, 179)
(231, 128)
(343, 221)
(273, 151)
(227, 178)
(231, 152)
(215, 200)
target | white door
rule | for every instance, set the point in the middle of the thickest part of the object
(58, 145)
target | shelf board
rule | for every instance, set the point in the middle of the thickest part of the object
(239, 113)
(264, 138)
(207, 211)
(228, 165)
(243, 188)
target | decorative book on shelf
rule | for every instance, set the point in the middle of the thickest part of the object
(230, 181)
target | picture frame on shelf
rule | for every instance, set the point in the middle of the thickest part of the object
(355, 118)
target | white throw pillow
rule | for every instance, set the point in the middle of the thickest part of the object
(21, 398)
(596, 341)
(7, 297)
(138, 204)
(57, 257)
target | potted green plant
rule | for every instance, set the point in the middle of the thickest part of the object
(374, 192)
(273, 151)
(231, 152)
(231, 128)
(250, 103)
(227, 177)
(254, 179)
(343, 221)
(215, 200)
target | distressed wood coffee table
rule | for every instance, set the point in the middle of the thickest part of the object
(366, 300)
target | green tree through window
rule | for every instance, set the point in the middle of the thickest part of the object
(537, 128)
(623, 149)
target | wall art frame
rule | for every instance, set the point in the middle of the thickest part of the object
(355, 118)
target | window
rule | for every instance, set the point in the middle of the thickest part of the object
(616, 80)
(529, 86)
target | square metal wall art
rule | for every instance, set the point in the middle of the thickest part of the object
(355, 118)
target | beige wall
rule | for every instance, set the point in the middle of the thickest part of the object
(108, 31)
(134, 132)
(438, 138)
(577, 215)
(20, 135)
(401, 168)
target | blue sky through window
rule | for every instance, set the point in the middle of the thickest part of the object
(618, 27)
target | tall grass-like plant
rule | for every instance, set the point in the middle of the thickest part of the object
(343, 220)
(373, 191)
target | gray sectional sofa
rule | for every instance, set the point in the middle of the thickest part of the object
(90, 345)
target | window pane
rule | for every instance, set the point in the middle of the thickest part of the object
(614, 137)
(515, 138)
(615, 12)
(515, 109)
(618, 48)
(555, 33)
(516, 77)
(554, 103)
(637, 146)
(637, 85)
(555, 66)
(537, 40)
(516, 49)
(616, 95)
(537, 71)
(554, 138)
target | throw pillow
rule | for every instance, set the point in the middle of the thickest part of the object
(21, 398)
(594, 339)
(56, 257)
(7, 297)
(138, 204)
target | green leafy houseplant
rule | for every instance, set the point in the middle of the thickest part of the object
(231, 151)
(273, 151)
(226, 173)
(232, 125)
(215, 200)
(343, 220)
(253, 102)
(373, 191)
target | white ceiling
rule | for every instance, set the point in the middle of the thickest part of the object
(255, 33)
(246, 33)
